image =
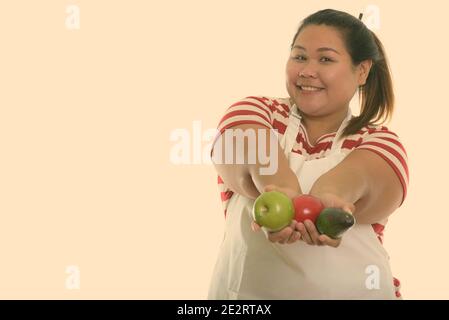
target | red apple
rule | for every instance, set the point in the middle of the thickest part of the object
(307, 207)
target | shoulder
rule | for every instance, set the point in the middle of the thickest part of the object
(257, 109)
(373, 135)
(370, 130)
(383, 137)
(274, 104)
(386, 143)
(274, 108)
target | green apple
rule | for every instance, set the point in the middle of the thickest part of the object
(273, 210)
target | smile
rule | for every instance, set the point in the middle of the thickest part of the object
(309, 89)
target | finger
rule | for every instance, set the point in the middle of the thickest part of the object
(349, 208)
(294, 237)
(283, 241)
(287, 236)
(288, 192)
(270, 187)
(283, 235)
(304, 234)
(255, 227)
(293, 224)
(280, 236)
(313, 232)
(329, 241)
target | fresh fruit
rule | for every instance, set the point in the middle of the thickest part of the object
(334, 222)
(273, 210)
(307, 207)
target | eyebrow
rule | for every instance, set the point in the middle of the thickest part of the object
(319, 49)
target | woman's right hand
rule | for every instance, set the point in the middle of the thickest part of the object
(306, 231)
(286, 235)
(289, 234)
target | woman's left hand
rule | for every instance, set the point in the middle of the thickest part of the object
(310, 235)
(308, 231)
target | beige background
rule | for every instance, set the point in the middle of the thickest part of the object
(85, 122)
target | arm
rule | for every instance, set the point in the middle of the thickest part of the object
(248, 179)
(368, 181)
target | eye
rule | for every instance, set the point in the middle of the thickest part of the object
(300, 58)
(328, 60)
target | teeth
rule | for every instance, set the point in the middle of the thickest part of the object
(310, 88)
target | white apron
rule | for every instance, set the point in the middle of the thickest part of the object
(249, 266)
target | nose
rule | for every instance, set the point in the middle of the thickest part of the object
(308, 71)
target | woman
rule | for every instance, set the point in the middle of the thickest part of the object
(345, 161)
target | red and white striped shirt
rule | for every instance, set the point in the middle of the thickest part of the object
(273, 114)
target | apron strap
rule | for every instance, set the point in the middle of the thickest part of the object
(291, 132)
(294, 122)
(337, 143)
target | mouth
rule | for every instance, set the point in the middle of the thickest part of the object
(308, 89)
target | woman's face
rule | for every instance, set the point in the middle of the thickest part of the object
(320, 57)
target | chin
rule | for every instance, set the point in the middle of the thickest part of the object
(310, 110)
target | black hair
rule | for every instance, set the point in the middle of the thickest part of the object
(376, 95)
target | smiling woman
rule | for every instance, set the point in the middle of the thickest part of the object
(343, 160)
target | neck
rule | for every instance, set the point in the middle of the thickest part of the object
(317, 126)
(324, 124)
(321, 125)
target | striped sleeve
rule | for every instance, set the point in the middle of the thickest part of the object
(225, 195)
(250, 110)
(386, 144)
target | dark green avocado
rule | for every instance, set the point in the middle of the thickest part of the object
(333, 222)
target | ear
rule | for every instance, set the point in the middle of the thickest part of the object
(363, 69)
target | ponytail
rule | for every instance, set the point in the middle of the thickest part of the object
(376, 96)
